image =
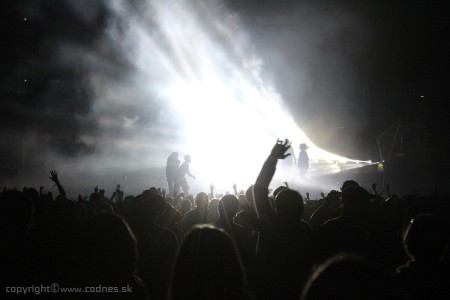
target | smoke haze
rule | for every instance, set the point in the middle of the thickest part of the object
(90, 110)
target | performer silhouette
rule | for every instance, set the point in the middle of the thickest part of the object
(180, 180)
(171, 171)
(303, 160)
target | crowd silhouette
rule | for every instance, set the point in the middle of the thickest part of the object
(253, 244)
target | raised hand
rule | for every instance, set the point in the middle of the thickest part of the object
(54, 177)
(280, 148)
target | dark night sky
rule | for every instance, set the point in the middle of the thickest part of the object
(362, 66)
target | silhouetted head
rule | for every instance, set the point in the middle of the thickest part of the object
(249, 196)
(201, 200)
(16, 212)
(32, 193)
(103, 208)
(187, 158)
(348, 183)
(289, 205)
(214, 204)
(173, 156)
(207, 267)
(228, 207)
(349, 277)
(148, 205)
(242, 201)
(355, 200)
(303, 147)
(426, 238)
(277, 190)
(185, 205)
(109, 244)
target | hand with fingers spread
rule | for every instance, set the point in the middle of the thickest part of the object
(54, 177)
(279, 151)
(280, 148)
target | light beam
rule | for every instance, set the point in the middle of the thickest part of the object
(195, 59)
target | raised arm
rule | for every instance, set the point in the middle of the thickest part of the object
(54, 177)
(261, 188)
(211, 188)
(235, 189)
(269, 167)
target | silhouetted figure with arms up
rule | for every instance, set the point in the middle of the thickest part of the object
(285, 245)
(303, 160)
(172, 166)
(180, 180)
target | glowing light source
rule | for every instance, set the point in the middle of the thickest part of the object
(196, 59)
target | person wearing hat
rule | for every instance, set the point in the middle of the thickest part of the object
(303, 160)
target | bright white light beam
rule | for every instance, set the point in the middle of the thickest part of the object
(195, 57)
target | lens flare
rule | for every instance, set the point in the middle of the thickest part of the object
(195, 59)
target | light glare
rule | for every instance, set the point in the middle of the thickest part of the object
(204, 68)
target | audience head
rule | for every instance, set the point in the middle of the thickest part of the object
(228, 207)
(109, 244)
(103, 208)
(187, 158)
(214, 204)
(185, 205)
(201, 200)
(277, 190)
(148, 205)
(356, 200)
(249, 196)
(347, 184)
(242, 201)
(289, 205)
(350, 277)
(207, 266)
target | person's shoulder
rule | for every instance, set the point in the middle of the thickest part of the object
(190, 214)
(331, 223)
(304, 225)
